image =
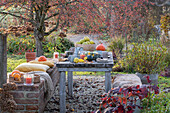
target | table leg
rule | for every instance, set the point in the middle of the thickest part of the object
(62, 92)
(107, 81)
(70, 83)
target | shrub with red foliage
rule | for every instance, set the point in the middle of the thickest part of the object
(121, 100)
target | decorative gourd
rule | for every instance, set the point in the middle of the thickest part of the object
(17, 75)
(100, 47)
(42, 58)
(82, 56)
(89, 57)
(14, 72)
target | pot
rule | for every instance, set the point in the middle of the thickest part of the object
(153, 78)
(30, 56)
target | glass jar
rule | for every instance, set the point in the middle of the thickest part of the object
(56, 55)
(29, 79)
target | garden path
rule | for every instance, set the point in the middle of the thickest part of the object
(87, 92)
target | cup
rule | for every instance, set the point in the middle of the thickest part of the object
(29, 79)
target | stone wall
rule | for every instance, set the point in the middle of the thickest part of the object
(29, 99)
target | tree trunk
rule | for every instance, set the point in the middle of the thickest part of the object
(3, 59)
(39, 38)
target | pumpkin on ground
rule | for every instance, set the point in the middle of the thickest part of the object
(42, 58)
(100, 47)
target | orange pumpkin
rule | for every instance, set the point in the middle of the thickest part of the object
(100, 47)
(42, 58)
(14, 72)
(17, 77)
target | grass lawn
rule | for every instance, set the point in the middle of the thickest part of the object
(159, 103)
(13, 61)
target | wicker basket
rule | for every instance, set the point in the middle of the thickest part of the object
(30, 56)
(87, 47)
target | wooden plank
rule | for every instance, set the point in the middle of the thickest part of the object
(83, 65)
(70, 83)
(85, 69)
(62, 92)
(107, 81)
(3, 59)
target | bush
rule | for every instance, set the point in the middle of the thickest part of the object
(19, 45)
(165, 23)
(146, 58)
(157, 103)
(167, 58)
(58, 44)
(104, 36)
(126, 100)
(116, 43)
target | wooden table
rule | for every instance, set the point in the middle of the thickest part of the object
(70, 67)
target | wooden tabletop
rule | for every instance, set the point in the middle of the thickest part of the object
(68, 64)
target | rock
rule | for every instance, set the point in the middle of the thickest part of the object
(126, 80)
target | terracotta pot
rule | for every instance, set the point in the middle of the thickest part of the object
(30, 56)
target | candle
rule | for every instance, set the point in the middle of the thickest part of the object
(56, 55)
(28, 80)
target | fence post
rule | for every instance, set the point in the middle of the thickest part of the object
(3, 59)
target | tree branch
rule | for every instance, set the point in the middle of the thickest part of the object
(62, 4)
(42, 18)
(56, 27)
(3, 18)
(52, 16)
(55, 14)
(3, 4)
(94, 5)
(7, 13)
(167, 2)
(23, 7)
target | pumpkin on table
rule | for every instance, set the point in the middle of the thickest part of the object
(42, 58)
(16, 74)
(100, 47)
